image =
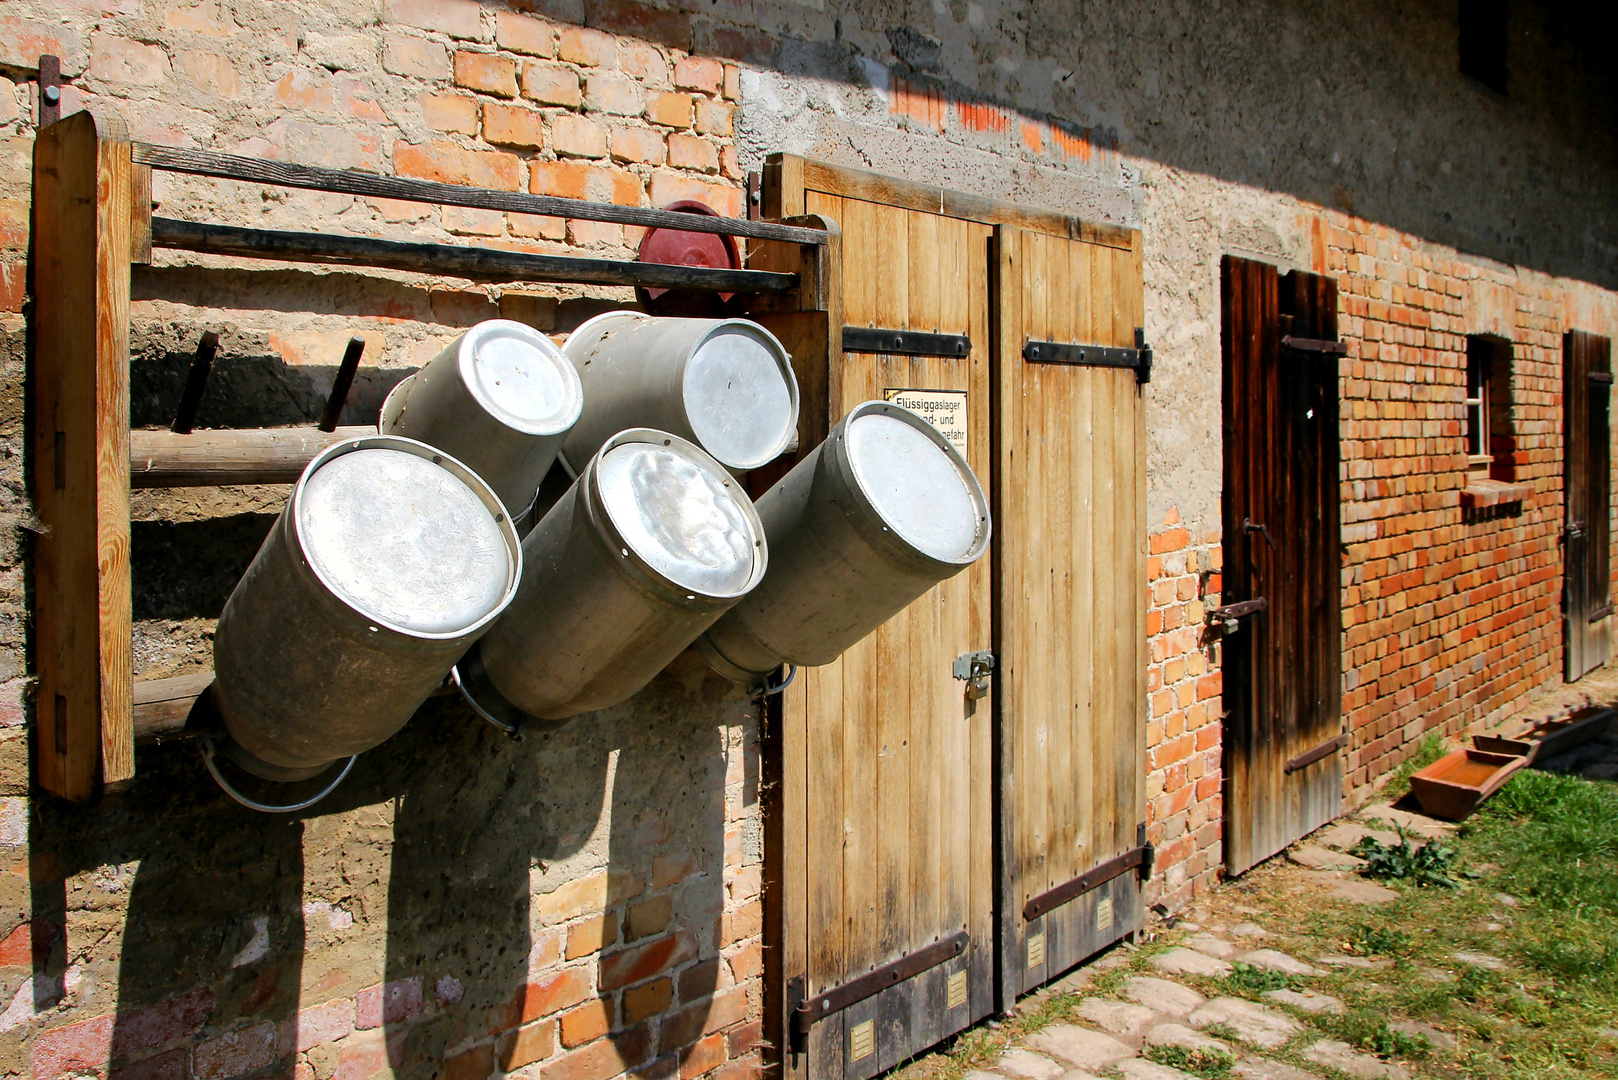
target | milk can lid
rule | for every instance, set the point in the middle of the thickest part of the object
(683, 517)
(403, 540)
(521, 378)
(739, 396)
(917, 486)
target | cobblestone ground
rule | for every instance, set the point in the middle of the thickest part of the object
(1191, 998)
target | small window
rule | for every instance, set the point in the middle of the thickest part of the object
(1483, 42)
(1491, 443)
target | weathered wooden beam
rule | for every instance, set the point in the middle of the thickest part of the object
(224, 456)
(478, 263)
(350, 182)
(82, 207)
(162, 706)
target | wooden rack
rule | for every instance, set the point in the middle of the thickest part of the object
(93, 220)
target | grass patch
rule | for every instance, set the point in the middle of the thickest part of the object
(1367, 940)
(1201, 1061)
(1368, 1030)
(1247, 979)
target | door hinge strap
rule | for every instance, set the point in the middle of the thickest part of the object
(1599, 376)
(1143, 857)
(875, 339)
(857, 990)
(1308, 758)
(1237, 610)
(1056, 352)
(1600, 613)
(1314, 345)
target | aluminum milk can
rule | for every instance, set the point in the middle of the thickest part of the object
(871, 519)
(653, 541)
(725, 384)
(388, 561)
(500, 398)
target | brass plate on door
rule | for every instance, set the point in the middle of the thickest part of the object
(861, 1040)
(1036, 950)
(957, 990)
(1104, 914)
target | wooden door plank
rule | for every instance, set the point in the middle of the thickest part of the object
(82, 205)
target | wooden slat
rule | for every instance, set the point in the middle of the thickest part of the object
(83, 180)
(162, 706)
(228, 455)
(372, 185)
(473, 263)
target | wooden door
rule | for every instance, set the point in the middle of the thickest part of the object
(1282, 664)
(885, 855)
(1586, 581)
(1070, 521)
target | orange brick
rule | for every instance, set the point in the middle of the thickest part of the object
(571, 182)
(450, 112)
(523, 34)
(451, 164)
(714, 117)
(699, 73)
(647, 1000)
(747, 962)
(648, 917)
(728, 164)
(597, 1061)
(588, 48)
(508, 125)
(638, 145)
(692, 152)
(525, 1045)
(612, 93)
(489, 73)
(552, 84)
(575, 136)
(545, 995)
(589, 1021)
(13, 286)
(669, 109)
(750, 1067)
(645, 961)
(474, 1064)
(645, 62)
(733, 83)
(705, 1056)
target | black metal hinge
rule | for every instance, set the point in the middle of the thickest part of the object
(869, 985)
(1599, 376)
(1056, 352)
(1143, 857)
(875, 339)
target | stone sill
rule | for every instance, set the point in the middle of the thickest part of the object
(1484, 492)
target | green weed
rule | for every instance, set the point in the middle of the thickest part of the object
(1429, 750)
(1207, 1061)
(1248, 979)
(1427, 865)
(1368, 940)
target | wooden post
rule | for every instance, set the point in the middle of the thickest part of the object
(83, 191)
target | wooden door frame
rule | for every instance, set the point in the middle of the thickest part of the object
(1586, 465)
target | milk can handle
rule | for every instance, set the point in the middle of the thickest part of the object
(268, 808)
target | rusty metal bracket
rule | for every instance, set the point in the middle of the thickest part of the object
(857, 990)
(1309, 757)
(1237, 610)
(1143, 857)
(875, 339)
(1314, 345)
(50, 90)
(1600, 613)
(1599, 376)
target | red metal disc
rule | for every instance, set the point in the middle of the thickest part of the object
(675, 247)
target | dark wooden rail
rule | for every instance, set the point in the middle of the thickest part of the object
(351, 182)
(477, 263)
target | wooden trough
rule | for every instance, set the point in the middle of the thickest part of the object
(1455, 785)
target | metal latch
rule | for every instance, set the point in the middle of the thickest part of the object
(1226, 617)
(974, 669)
